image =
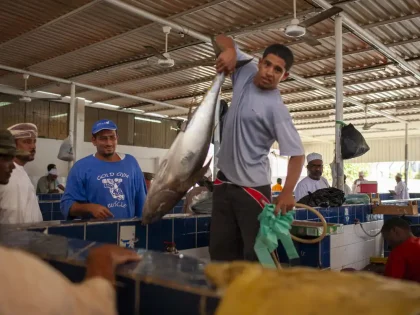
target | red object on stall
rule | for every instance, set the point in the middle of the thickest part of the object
(367, 187)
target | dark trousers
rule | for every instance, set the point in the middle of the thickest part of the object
(234, 222)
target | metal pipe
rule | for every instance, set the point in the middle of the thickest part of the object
(72, 121)
(90, 87)
(205, 38)
(369, 38)
(339, 100)
(406, 155)
(158, 19)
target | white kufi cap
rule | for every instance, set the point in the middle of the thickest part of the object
(313, 156)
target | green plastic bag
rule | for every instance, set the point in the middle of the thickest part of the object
(273, 228)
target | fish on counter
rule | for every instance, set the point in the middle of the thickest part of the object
(248, 288)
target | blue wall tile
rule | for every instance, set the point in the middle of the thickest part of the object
(325, 260)
(159, 233)
(105, 233)
(309, 255)
(45, 206)
(56, 206)
(177, 209)
(185, 241)
(334, 212)
(203, 239)
(325, 212)
(332, 220)
(184, 225)
(312, 215)
(180, 203)
(74, 231)
(203, 224)
(57, 215)
(325, 244)
(46, 216)
(301, 214)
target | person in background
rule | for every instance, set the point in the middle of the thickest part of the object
(314, 180)
(7, 154)
(45, 289)
(277, 187)
(49, 184)
(256, 118)
(105, 184)
(404, 259)
(347, 189)
(401, 190)
(18, 201)
(361, 179)
(148, 178)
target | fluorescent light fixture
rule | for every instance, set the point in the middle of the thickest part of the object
(105, 104)
(54, 94)
(4, 103)
(148, 119)
(181, 118)
(135, 110)
(156, 115)
(59, 115)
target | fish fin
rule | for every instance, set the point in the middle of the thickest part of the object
(194, 178)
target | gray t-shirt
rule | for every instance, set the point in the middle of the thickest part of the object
(255, 119)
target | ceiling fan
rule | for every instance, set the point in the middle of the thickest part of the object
(297, 29)
(25, 98)
(367, 126)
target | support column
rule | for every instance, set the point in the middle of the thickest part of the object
(72, 121)
(79, 129)
(406, 155)
(338, 100)
(216, 142)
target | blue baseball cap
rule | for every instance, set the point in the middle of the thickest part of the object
(103, 124)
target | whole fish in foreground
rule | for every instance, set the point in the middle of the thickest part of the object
(182, 166)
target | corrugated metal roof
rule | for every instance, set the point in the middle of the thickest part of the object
(94, 43)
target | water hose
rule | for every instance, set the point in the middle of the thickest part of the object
(277, 227)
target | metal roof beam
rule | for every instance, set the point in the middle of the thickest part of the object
(371, 39)
(91, 87)
(232, 33)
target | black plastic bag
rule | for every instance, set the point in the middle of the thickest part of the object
(326, 197)
(352, 142)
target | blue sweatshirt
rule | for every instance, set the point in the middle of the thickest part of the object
(119, 186)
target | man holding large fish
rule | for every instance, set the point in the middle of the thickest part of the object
(256, 118)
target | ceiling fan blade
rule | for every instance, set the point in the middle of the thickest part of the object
(153, 51)
(307, 38)
(321, 16)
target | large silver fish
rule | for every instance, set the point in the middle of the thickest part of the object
(182, 166)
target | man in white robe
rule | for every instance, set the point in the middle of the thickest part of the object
(401, 190)
(314, 181)
(18, 200)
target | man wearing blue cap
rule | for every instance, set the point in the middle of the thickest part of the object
(105, 184)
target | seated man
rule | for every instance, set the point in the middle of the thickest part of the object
(314, 180)
(49, 184)
(404, 260)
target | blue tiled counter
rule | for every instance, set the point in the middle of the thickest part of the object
(158, 284)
